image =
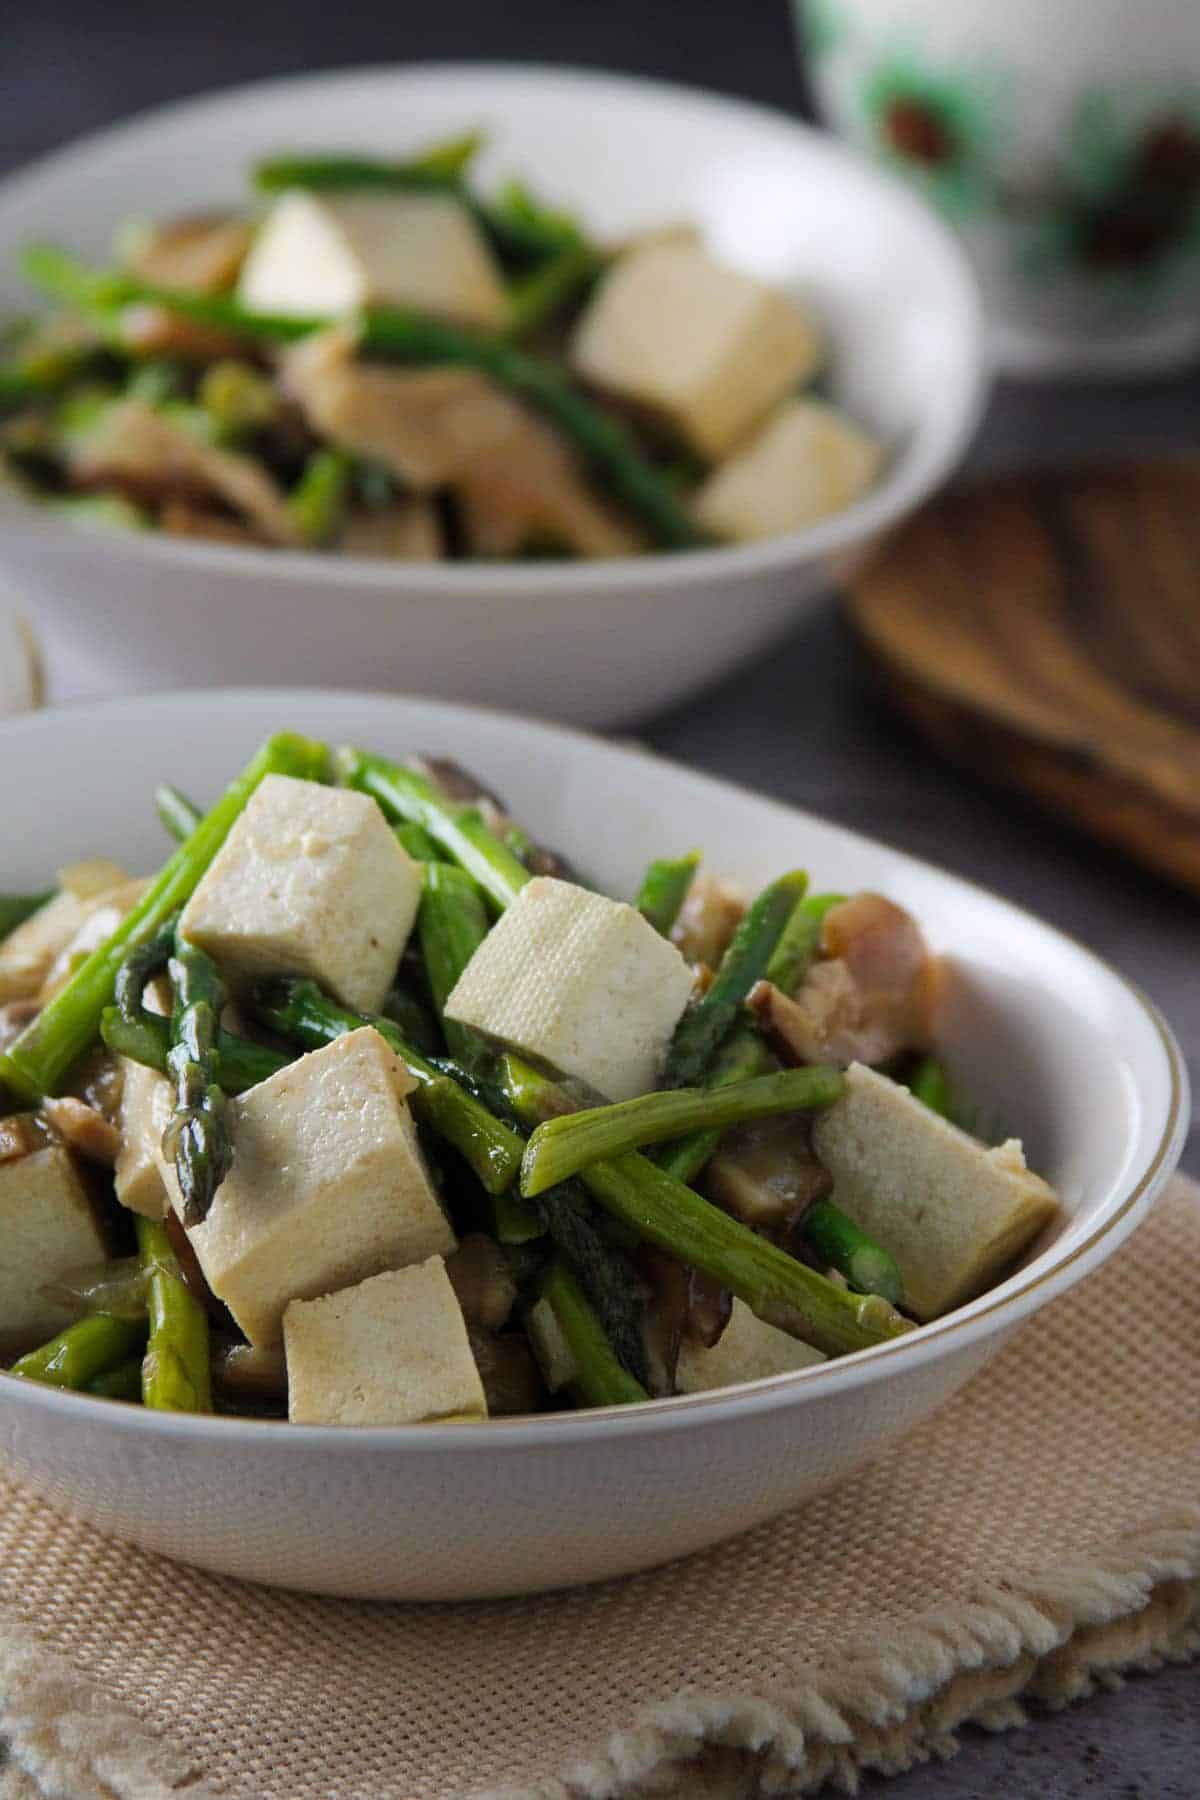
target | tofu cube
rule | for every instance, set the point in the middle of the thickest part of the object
(747, 1350)
(47, 1227)
(807, 462)
(953, 1213)
(328, 1185)
(580, 982)
(325, 255)
(391, 1351)
(706, 349)
(147, 1102)
(310, 881)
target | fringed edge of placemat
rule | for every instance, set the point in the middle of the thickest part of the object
(1049, 1638)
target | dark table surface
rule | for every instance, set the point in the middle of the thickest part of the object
(807, 725)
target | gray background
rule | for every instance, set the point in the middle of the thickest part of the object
(807, 724)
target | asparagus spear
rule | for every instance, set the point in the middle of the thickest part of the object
(563, 1146)
(16, 908)
(81, 1352)
(179, 817)
(417, 841)
(122, 1382)
(600, 1379)
(175, 1373)
(300, 1012)
(460, 830)
(705, 1024)
(393, 335)
(452, 923)
(664, 890)
(36, 1062)
(535, 300)
(240, 1064)
(774, 1285)
(197, 1137)
(841, 1245)
(317, 503)
(931, 1084)
(142, 964)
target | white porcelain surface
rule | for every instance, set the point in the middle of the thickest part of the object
(1069, 159)
(594, 643)
(1051, 1043)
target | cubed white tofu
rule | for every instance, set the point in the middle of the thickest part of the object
(705, 348)
(808, 461)
(28, 953)
(47, 1227)
(747, 1350)
(325, 255)
(328, 1185)
(310, 881)
(579, 981)
(147, 1102)
(953, 1213)
(391, 1351)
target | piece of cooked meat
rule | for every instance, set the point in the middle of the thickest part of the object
(711, 912)
(143, 452)
(867, 1000)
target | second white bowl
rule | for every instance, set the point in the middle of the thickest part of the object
(598, 643)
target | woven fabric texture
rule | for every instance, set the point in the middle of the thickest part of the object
(1039, 1534)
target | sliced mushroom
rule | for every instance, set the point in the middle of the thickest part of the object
(767, 1173)
(181, 517)
(245, 1373)
(867, 1000)
(82, 1128)
(408, 531)
(20, 1135)
(482, 1281)
(199, 254)
(143, 452)
(512, 1382)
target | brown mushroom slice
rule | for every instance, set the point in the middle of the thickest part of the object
(181, 517)
(711, 912)
(527, 493)
(201, 253)
(512, 1381)
(244, 1372)
(20, 1135)
(868, 1000)
(767, 1173)
(83, 1128)
(482, 1281)
(409, 531)
(141, 451)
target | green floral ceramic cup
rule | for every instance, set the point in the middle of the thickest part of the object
(1061, 137)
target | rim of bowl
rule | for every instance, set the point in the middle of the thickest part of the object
(929, 452)
(1028, 1289)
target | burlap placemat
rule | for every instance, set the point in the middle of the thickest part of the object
(1038, 1535)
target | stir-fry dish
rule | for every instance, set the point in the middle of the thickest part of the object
(379, 360)
(367, 1108)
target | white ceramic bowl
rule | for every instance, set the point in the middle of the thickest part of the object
(595, 643)
(1050, 1042)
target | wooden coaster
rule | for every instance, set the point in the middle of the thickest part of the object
(1045, 631)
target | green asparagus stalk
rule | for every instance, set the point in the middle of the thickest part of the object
(122, 1382)
(36, 1062)
(664, 889)
(417, 841)
(240, 1064)
(176, 812)
(81, 1352)
(704, 1025)
(931, 1084)
(317, 504)
(300, 1012)
(16, 908)
(144, 961)
(799, 942)
(663, 1212)
(175, 1373)
(543, 293)
(460, 830)
(452, 923)
(197, 1137)
(839, 1243)
(563, 1146)
(600, 1377)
